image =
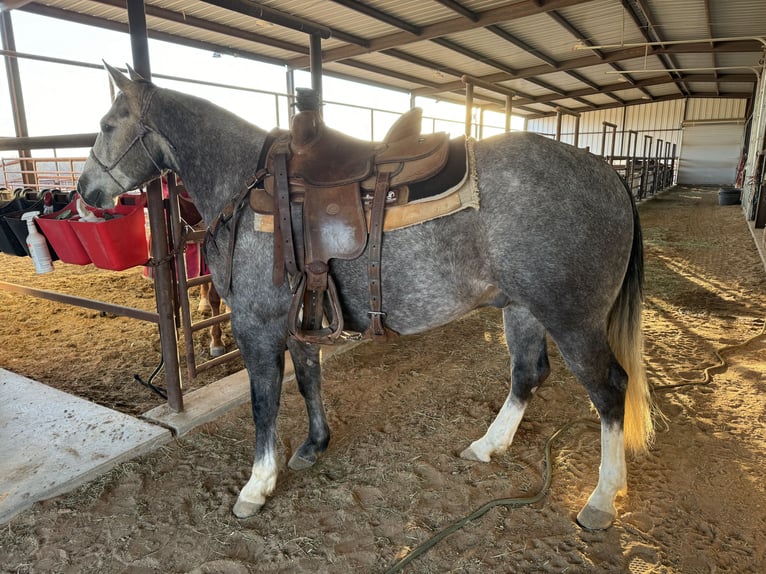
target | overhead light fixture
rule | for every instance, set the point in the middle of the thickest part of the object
(753, 69)
(580, 46)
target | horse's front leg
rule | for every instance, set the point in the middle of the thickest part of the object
(308, 373)
(264, 357)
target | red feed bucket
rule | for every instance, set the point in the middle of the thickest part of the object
(118, 243)
(62, 237)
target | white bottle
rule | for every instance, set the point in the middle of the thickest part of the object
(37, 245)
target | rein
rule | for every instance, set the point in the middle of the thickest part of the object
(143, 131)
(233, 209)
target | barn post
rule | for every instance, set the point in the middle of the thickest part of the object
(290, 80)
(508, 111)
(315, 55)
(468, 107)
(163, 285)
(17, 96)
(576, 141)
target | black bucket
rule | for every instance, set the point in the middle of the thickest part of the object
(729, 196)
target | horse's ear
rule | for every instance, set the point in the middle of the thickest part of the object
(135, 76)
(119, 79)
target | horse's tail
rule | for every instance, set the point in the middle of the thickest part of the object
(626, 341)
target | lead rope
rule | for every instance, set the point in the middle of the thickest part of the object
(483, 509)
(525, 501)
(706, 376)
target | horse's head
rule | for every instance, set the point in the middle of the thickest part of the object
(128, 151)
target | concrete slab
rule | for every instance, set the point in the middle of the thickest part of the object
(215, 399)
(52, 442)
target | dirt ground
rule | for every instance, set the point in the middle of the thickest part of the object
(400, 413)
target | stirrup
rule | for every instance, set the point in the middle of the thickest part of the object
(324, 336)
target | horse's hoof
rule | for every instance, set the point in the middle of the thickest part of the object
(471, 454)
(299, 462)
(591, 518)
(245, 509)
(216, 351)
(204, 308)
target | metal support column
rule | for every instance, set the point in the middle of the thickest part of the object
(16, 95)
(576, 131)
(139, 43)
(315, 56)
(508, 110)
(290, 80)
(559, 115)
(163, 284)
(468, 107)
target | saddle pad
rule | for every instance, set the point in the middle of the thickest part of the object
(462, 196)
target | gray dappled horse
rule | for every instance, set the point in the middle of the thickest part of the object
(556, 244)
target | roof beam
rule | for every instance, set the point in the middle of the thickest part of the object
(739, 95)
(180, 18)
(105, 24)
(508, 37)
(616, 56)
(385, 72)
(505, 13)
(12, 4)
(380, 16)
(577, 34)
(460, 9)
(551, 99)
(645, 27)
(474, 55)
(271, 15)
(261, 12)
(656, 81)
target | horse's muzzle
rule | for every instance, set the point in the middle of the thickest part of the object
(93, 196)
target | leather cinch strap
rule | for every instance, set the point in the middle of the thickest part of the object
(284, 247)
(376, 330)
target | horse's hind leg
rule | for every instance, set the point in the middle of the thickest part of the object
(525, 337)
(217, 348)
(588, 355)
(309, 377)
(204, 304)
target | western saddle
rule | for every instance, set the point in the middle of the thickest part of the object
(317, 184)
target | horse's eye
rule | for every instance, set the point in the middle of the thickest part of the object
(106, 128)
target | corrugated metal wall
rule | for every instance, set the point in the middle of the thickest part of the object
(701, 109)
(660, 120)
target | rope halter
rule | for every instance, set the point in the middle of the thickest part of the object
(143, 131)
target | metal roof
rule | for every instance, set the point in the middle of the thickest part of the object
(581, 55)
